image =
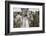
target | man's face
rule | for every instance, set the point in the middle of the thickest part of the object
(24, 13)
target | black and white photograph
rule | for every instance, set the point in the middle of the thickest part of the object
(24, 17)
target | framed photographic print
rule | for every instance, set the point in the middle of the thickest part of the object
(24, 17)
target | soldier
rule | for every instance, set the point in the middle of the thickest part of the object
(24, 17)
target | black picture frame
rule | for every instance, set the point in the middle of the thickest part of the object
(7, 20)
